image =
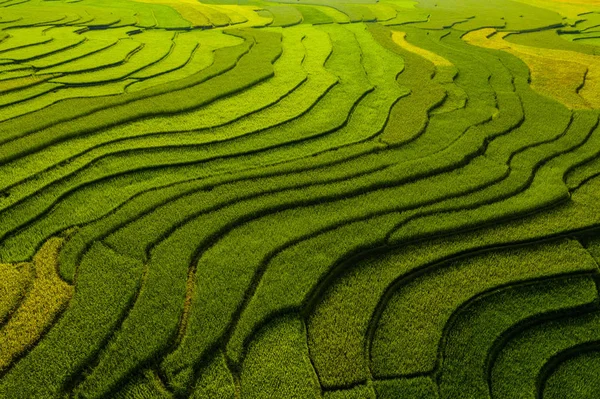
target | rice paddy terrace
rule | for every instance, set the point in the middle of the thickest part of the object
(299, 199)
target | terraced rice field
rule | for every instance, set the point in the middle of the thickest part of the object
(300, 199)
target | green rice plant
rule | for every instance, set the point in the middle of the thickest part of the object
(59, 93)
(250, 15)
(586, 167)
(216, 17)
(477, 328)
(443, 21)
(141, 207)
(111, 56)
(96, 41)
(355, 13)
(232, 12)
(29, 93)
(144, 385)
(191, 12)
(336, 15)
(574, 377)
(28, 16)
(200, 334)
(184, 48)
(19, 83)
(514, 372)
(357, 392)
(322, 137)
(10, 3)
(371, 54)
(447, 127)
(47, 296)
(337, 316)
(544, 188)
(276, 292)
(166, 17)
(106, 285)
(409, 116)
(265, 14)
(14, 284)
(156, 46)
(173, 101)
(572, 10)
(473, 14)
(12, 74)
(155, 317)
(110, 16)
(152, 226)
(342, 318)
(271, 91)
(548, 38)
(151, 278)
(252, 259)
(278, 364)
(592, 245)
(284, 15)
(411, 326)
(313, 15)
(215, 380)
(405, 388)
(99, 18)
(7, 66)
(287, 80)
(406, 12)
(332, 141)
(164, 272)
(585, 37)
(24, 37)
(383, 12)
(580, 129)
(445, 71)
(201, 60)
(592, 41)
(63, 38)
(556, 73)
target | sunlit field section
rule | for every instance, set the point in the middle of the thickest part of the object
(331, 199)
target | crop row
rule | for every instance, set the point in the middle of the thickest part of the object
(400, 159)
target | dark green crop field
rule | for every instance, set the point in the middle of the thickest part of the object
(333, 199)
